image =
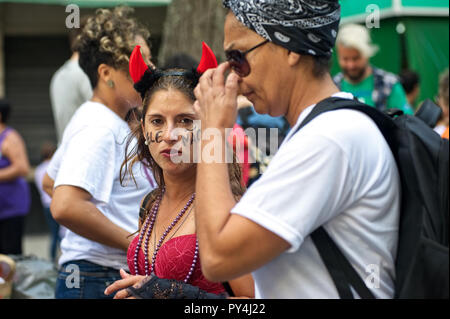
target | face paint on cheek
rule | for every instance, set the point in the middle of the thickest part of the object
(187, 139)
(158, 138)
(150, 139)
(147, 139)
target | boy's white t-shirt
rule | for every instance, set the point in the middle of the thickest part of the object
(90, 156)
(337, 171)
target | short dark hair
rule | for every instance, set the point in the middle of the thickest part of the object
(5, 109)
(409, 80)
(319, 65)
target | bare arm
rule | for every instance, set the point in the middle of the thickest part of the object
(230, 245)
(14, 149)
(47, 185)
(243, 287)
(72, 208)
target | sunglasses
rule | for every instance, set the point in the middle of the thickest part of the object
(238, 61)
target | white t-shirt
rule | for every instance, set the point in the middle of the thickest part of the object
(89, 157)
(337, 171)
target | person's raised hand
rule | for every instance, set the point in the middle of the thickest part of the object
(216, 96)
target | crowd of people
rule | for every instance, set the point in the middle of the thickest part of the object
(139, 224)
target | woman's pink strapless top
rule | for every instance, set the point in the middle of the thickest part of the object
(173, 261)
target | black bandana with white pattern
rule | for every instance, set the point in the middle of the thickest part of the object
(302, 26)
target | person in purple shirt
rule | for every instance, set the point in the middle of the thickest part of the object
(14, 191)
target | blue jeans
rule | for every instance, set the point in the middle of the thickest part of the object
(81, 279)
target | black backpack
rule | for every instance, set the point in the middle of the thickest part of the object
(422, 261)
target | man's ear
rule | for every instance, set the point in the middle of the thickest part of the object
(293, 58)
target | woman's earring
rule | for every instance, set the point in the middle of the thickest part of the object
(110, 83)
(147, 139)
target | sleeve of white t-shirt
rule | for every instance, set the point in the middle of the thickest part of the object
(307, 183)
(55, 162)
(89, 162)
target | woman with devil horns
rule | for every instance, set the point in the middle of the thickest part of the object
(164, 255)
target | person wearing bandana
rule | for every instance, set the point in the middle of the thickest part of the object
(337, 171)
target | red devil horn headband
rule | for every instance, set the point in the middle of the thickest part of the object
(138, 67)
(208, 61)
(137, 64)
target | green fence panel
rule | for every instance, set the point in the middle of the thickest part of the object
(428, 50)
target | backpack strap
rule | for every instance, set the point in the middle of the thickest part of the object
(429, 112)
(382, 120)
(342, 272)
(228, 289)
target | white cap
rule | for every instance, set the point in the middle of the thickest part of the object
(356, 36)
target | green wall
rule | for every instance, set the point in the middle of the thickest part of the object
(428, 50)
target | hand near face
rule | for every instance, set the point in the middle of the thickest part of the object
(216, 96)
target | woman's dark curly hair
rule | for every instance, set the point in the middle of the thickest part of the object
(108, 37)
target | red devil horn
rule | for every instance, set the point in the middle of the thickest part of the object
(137, 64)
(208, 61)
